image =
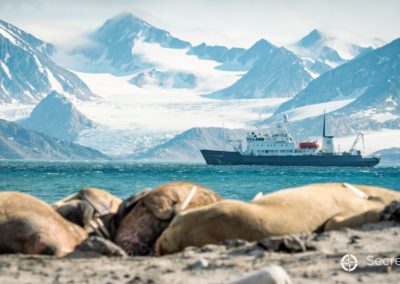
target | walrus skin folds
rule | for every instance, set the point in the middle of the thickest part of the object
(30, 226)
(146, 215)
(304, 209)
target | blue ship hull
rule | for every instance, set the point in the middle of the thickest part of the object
(235, 158)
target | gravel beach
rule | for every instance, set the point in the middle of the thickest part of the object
(313, 258)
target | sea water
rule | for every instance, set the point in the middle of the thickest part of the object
(52, 181)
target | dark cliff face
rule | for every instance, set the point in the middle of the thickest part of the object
(17, 142)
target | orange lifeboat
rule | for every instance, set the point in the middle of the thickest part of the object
(309, 145)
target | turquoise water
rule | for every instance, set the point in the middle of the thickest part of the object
(51, 181)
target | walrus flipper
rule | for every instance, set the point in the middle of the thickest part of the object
(342, 221)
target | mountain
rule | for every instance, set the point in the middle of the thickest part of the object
(389, 156)
(17, 142)
(162, 79)
(276, 73)
(217, 53)
(111, 49)
(329, 49)
(186, 146)
(233, 59)
(374, 72)
(256, 51)
(116, 47)
(371, 86)
(26, 71)
(57, 117)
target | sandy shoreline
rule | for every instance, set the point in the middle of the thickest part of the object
(223, 263)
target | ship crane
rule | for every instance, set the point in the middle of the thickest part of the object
(237, 147)
(359, 137)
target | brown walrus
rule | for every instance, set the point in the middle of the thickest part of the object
(30, 226)
(90, 208)
(143, 217)
(311, 208)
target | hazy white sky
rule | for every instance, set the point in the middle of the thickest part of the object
(228, 22)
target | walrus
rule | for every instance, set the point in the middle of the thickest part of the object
(144, 216)
(30, 226)
(311, 208)
(90, 208)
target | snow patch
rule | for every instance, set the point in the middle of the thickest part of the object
(178, 61)
(8, 36)
(5, 68)
(55, 84)
(316, 109)
(383, 117)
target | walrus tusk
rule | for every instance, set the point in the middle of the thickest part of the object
(65, 199)
(257, 196)
(188, 198)
(103, 229)
(355, 190)
(95, 228)
(98, 209)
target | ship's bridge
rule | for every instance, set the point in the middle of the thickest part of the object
(277, 142)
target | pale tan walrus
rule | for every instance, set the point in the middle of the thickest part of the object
(30, 226)
(143, 217)
(317, 207)
(91, 208)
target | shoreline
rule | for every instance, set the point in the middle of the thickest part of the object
(320, 263)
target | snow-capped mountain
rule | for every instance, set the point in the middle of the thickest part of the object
(329, 49)
(278, 73)
(255, 52)
(370, 87)
(233, 59)
(57, 117)
(17, 142)
(111, 49)
(27, 74)
(186, 146)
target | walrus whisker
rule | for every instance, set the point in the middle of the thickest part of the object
(188, 198)
(355, 190)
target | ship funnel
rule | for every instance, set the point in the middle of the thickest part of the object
(327, 141)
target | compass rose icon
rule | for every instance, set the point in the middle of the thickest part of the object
(349, 262)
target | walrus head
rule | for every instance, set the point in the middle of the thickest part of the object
(148, 214)
(89, 208)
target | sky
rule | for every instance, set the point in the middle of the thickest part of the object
(225, 22)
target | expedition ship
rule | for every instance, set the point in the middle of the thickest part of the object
(280, 149)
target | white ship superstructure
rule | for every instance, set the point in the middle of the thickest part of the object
(278, 142)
